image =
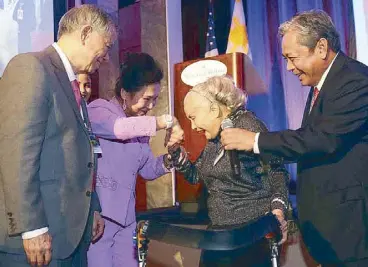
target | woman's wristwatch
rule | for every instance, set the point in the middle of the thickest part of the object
(169, 121)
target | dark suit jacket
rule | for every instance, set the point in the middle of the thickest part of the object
(331, 149)
(45, 154)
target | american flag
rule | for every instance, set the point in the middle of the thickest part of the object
(211, 46)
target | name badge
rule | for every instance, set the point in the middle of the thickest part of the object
(20, 14)
(97, 150)
(95, 144)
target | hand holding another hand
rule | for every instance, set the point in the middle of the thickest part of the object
(174, 135)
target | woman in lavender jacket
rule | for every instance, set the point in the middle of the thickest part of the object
(124, 130)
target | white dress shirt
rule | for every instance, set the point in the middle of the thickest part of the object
(319, 86)
(72, 77)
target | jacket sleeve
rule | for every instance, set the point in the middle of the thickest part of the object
(152, 167)
(191, 170)
(107, 123)
(275, 174)
(278, 179)
(24, 111)
(341, 125)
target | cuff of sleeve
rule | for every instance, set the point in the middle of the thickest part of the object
(255, 145)
(278, 203)
(34, 233)
(160, 167)
(167, 164)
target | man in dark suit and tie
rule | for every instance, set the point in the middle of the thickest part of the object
(330, 147)
(48, 207)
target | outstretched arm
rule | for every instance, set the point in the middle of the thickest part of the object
(342, 123)
(182, 164)
(152, 167)
(108, 123)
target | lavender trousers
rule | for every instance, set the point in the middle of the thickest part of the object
(115, 248)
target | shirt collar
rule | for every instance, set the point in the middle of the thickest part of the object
(324, 75)
(66, 62)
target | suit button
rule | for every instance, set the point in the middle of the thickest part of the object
(90, 165)
(88, 193)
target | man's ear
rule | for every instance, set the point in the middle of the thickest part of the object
(322, 48)
(85, 33)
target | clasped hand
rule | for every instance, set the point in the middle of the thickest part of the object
(174, 135)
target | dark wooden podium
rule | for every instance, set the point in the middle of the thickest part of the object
(240, 68)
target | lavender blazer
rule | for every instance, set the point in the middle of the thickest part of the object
(125, 153)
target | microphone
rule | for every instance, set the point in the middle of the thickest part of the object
(233, 154)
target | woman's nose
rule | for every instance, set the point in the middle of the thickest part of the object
(151, 105)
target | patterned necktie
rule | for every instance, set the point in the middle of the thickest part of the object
(76, 91)
(314, 98)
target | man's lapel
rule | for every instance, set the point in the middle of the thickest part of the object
(62, 76)
(327, 86)
(307, 107)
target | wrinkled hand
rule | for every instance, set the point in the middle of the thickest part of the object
(283, 224)
(237, 139)
(38, 249)
(174, 135)
(98, 226)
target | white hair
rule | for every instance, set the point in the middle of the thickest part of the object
(92, 15)
(222, 90)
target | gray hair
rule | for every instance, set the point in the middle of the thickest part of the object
(92, 15)
(312, 26)
(222, 90)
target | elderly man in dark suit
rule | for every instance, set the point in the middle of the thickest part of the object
(48, 207)
(330, 147)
